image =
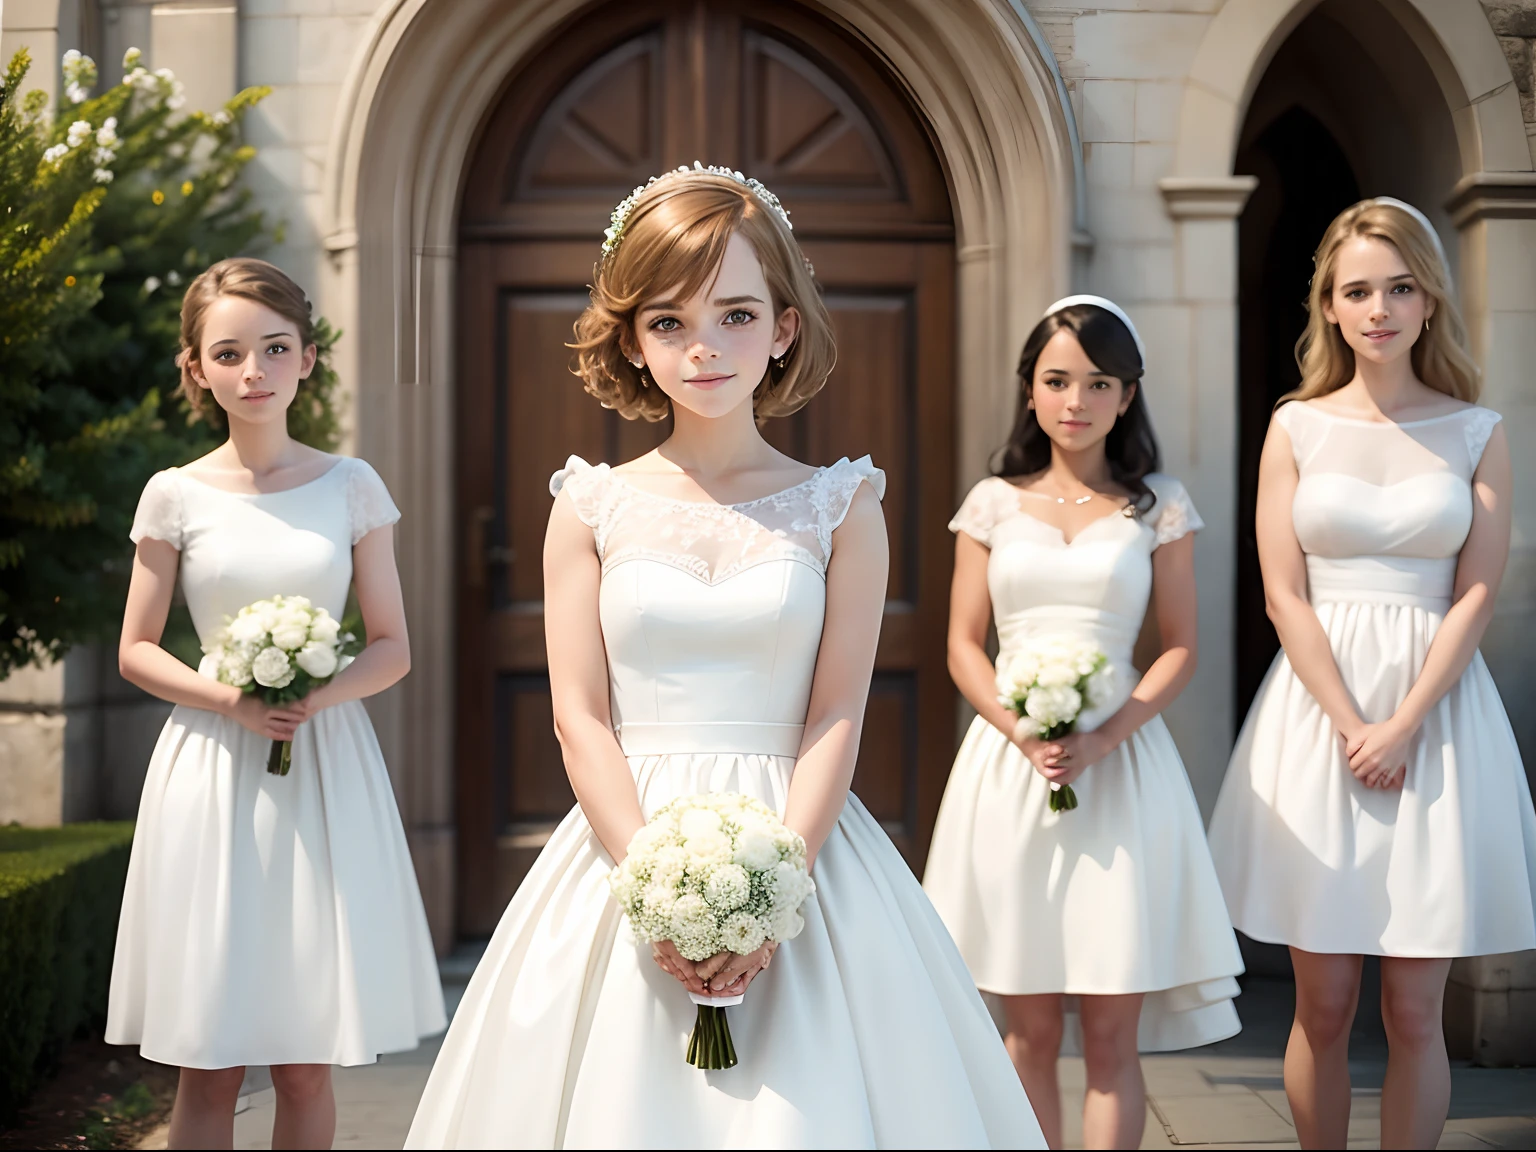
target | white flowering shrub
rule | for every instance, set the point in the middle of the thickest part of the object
(280, 649)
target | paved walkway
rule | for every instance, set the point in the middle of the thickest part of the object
(1228, 1095)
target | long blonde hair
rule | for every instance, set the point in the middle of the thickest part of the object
(1439, 355)
(676, 237)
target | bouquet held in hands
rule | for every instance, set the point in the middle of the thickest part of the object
(281, 650)
(714, 873)
(1053, 682)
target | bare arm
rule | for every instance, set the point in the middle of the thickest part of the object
(1379, 752)
(142, 661)
(387, 658)
(970, 613)
(1285, 586)
(140, 658)
(856, 579)
(578, 682)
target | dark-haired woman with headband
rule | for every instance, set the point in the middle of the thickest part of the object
(1108, 914)
(1375, 803)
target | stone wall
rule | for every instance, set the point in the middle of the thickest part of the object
(1514, 22)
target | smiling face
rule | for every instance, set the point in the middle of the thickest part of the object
(1378, 305)
(251, 359)
(710, 351)
(1075, 403)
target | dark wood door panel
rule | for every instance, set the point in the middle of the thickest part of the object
(622, 93)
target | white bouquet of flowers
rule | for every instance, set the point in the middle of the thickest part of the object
(280, 649)
(1053, 681)
(714, 873)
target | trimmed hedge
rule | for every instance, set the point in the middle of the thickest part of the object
(61, 890)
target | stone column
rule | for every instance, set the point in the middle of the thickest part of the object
(1205, 211)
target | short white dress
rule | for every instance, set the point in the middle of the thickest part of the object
(865, 1033)
(1118, 895)
(1308, 855)
(269, 919)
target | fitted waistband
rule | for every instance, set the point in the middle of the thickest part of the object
(1411, 581)
(747, 738)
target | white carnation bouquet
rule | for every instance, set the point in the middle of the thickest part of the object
(714, 873)
(280, 649)
(1053, 681)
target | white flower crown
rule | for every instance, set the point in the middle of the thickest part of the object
(614, 235)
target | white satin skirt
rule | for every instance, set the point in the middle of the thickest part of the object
(1310, 857)
(866, 1031)
(271, 919)
(1117, 896)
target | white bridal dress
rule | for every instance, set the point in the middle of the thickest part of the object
(1118, 895)
(865, 1033)
(269, 919)
(1309, 856)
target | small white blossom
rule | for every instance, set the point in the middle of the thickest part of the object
(56, 153)
(272, 668)
(131, 59)
(76, 94)
(221, 117)
(103, 156)
(173, 278)
(151, 285)
(79, 132)
(106, 135)
(102, 175)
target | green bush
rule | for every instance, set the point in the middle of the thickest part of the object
(61, 890)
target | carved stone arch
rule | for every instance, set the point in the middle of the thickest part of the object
(410, 113)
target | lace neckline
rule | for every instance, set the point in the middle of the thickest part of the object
(779, 495)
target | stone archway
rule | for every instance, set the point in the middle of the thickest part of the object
(1491, 205)
(411, 108)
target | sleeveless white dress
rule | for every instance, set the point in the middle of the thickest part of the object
(865, 1033)
(269, 919)
(1118, 895)
(1309, 856)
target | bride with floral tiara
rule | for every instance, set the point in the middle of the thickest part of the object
(712, 610)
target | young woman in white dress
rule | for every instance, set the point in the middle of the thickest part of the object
(1114, 904)
(1376, 803)
(711, 611)
(268, 920)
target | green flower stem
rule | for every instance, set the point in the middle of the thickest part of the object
(710, 1047)
(280, 759)
(1063, 799)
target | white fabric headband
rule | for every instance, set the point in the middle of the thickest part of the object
(1424, 220)
(1109, 306)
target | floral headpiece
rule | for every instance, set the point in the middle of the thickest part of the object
(614, 235)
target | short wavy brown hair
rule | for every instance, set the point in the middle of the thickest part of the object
(675, 239)
(250, 279)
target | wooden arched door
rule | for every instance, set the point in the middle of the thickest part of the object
(620, 94)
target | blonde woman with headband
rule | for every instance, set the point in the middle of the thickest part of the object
(1376, 803)
(1107, 916)
(712, 609)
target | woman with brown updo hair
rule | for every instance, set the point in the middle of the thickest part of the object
(268, 919)
(711, 614)
(1376, 803)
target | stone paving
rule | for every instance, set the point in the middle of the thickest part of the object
(1228, 1095)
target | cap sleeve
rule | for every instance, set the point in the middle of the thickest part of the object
(1479, 426)
(159, 515)
(583, 484)
(1174, 515)
(834, 495)
(368, 501)
(978, 512)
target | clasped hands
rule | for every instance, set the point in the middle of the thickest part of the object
(1378, 753)
(1063, 760)
(723, 974)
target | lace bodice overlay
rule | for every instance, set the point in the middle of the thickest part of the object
(1097, 585)
(712, 614)
(713, 542)
(1382, 510)
(239, 547)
